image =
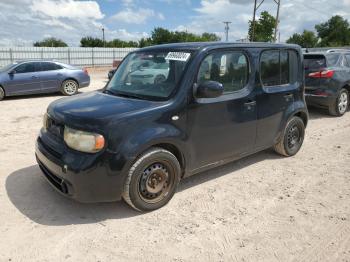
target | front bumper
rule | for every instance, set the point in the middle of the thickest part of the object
(80, 177)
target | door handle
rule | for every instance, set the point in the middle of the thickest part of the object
(249, 105)
(35, 77)
(289, 97)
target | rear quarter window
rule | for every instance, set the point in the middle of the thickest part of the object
(278, 67)
(332, 59)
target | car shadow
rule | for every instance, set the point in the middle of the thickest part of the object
(24, 97)
(226, 169)
(318, 113)
(31, 194)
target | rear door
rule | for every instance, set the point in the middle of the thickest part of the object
(51, 76)
(280, 82)
(24, 79)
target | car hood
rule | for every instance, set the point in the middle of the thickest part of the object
(94, 109)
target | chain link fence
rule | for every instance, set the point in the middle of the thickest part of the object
(79, 56)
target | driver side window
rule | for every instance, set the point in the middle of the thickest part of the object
(228, 68)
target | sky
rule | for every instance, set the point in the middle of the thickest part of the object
(22, 22)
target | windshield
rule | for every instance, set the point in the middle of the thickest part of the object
(8, 67)
(149, 75)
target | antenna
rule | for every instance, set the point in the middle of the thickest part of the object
(227, 27)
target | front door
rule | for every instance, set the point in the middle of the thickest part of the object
(24, 79)
(225, 127)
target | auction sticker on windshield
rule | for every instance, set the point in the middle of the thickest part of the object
(178, 56)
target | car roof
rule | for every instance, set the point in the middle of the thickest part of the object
(193, 46)
(33, 60)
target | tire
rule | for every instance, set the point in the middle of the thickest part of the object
(292, 137)
(152, 180)
(2, 93)
(69, 87)
(341, 104)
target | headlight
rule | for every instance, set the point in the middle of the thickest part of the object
(45, 119)
(83, 141)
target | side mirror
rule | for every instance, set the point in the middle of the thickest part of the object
(12, 72)
(210, 89)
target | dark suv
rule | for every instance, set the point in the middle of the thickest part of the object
(328, 80)
(138, 138)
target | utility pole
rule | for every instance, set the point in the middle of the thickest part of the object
(227, 28)
(103, 37)
(278, 2)
(257, 5)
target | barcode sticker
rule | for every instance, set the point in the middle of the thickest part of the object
(178, 56)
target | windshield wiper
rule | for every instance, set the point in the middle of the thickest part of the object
(122, 94)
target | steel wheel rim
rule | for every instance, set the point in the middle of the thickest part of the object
(156, 182)
(343, 103)
(70, 87)
(293, 137)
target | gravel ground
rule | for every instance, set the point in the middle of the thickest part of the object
(261, 208)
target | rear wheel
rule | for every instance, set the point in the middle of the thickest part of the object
(152, 180)
(69, 87)
(292, 137)
(341, 104)
(2, 93)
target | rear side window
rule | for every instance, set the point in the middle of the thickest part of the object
(27, 68)
(347, 57)
(279, 67)
(47, 66)
(332, 59)
(230, 68)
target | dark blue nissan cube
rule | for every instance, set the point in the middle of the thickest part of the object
(171, 111)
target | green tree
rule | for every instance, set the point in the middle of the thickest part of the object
(50, 42)
(89, 41)
(307, 39)
(264, 28)
(120, 43)
(163, 36)
(334, 32)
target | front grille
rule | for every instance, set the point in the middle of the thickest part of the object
(54, 127)
(56, 181)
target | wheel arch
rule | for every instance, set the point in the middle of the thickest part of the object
(303, 115)
(70, 78)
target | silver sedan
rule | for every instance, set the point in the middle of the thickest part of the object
(35, 77)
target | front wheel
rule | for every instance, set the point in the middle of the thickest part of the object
(341, 104)
(69, 87)
(292, 137)
(152, 180)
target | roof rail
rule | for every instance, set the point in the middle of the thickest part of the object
(338, 50)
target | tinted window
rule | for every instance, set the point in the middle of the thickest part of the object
(332, 59)
(278, 67)
(229, 68)
(27, 68)
(47, 66)
(348, 60)
(314, 62)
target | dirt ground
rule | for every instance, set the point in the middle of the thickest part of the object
(261, 208)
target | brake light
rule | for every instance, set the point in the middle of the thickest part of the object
(85, 71)
(322, 74)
